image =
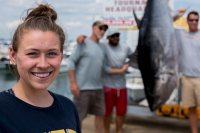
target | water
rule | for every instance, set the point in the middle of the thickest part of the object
(59, 86)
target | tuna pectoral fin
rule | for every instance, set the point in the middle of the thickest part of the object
(133, 60)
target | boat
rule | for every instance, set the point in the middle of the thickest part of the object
(4, 54)
(135, 87)
(4, 65)
(64, 65)
(4, 50)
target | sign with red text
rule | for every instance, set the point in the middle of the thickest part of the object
(119, 13)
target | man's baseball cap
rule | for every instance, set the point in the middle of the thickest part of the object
(100, 23)
(113, 32)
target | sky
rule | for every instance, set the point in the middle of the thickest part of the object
(75, 16)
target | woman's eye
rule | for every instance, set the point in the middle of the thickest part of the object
(52, 54)
(32, 54)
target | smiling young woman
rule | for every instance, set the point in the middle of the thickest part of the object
(37, 52)
(38, 60)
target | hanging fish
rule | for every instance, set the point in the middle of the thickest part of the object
(157, 53)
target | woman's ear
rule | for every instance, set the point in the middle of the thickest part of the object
(12, 56)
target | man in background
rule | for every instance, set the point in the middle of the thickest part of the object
(114, 82)
(86, 67)
(85, 74)
(115, 91)
(189, 51)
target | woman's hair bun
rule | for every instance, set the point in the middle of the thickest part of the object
(43, 10)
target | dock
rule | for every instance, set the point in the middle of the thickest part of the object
(142, 120)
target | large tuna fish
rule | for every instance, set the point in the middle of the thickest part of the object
(157, 53)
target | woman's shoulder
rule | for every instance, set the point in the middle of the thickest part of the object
(61, 98)
(6, 99)
(4, 94)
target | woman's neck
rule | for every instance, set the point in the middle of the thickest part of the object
(39, 98)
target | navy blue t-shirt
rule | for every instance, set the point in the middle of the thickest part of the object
(17, 116)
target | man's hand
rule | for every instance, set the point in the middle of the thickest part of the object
(180, 13)
(80, 39)
(74, 89)
(121, 70)
(125, 67)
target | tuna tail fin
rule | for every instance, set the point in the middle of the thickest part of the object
(137, 20)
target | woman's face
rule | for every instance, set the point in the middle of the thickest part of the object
(38, 59)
